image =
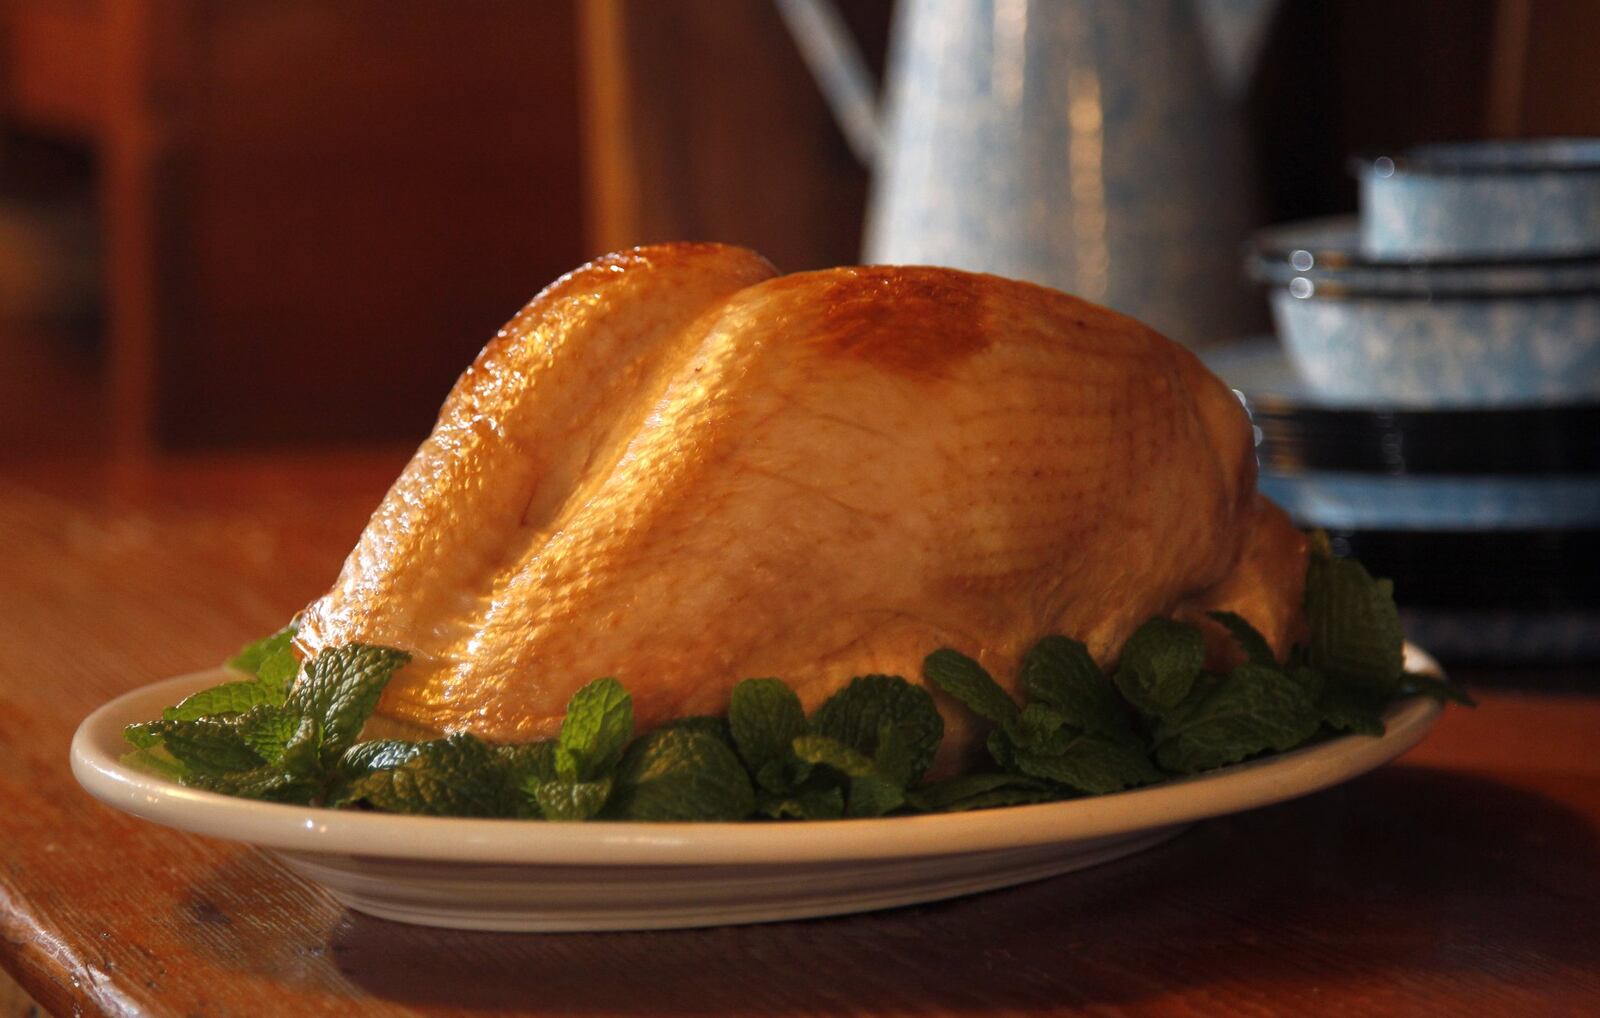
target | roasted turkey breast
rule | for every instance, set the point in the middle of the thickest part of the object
(677, 467)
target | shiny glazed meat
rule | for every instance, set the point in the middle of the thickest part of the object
(681, 469)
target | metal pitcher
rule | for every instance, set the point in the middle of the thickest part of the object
(1095, 146)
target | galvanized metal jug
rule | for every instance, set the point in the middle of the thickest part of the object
(1089, 145)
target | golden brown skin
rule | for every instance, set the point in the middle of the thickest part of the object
(680, 469)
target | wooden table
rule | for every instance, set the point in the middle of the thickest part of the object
(1463, 880)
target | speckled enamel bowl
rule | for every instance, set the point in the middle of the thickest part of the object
(1428, 334)
(1488, 199)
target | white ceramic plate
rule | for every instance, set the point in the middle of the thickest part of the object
(529, 875)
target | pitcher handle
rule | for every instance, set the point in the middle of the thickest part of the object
(835, 61)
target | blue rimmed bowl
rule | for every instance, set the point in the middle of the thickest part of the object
(1508, 200)
(1430, 334)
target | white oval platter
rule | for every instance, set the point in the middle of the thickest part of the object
(538, 876)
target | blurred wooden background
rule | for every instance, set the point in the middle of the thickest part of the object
(263, 222)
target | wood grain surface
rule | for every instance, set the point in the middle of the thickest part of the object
(1463, 880)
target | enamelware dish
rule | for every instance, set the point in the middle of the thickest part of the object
(1425, 335)
(1506, 200)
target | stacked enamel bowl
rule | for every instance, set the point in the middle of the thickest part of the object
(1434, 402)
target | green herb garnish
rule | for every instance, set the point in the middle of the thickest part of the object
(287, 734)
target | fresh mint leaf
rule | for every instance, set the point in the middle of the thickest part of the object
(377, 755)
(1344, 709)
(1093, 764)
(1159, 665)
(155, 760)
(681, 774)
(1043, 744)
(143, 735)
(596, 730)
(896, 757)
(525, 765)
(1356, 638)
(560, 799)
(824, 749)
(1060, 673)
(267, 783)
(773, 777)
(1041, 728)
(967, 681)
(872, 792)
(1002, 750)
(251, 656)
(272, 661)
(568, 765)
(204, 746)
(455, 776)
(857, 715)
(527, 759)
(340, 688)
(880, 732)
(228, 698)
(1307, 678)
(277, 675)
(765, 716)
(815, 800)
(786, 786)
(293, 776)
(1256, 649)
(781, 776)
(269, 730)
(951, 792)
(873, 795)
(1251, 710)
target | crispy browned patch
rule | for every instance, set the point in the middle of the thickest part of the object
(908, 320)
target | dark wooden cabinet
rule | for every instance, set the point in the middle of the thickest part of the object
(314, 214)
